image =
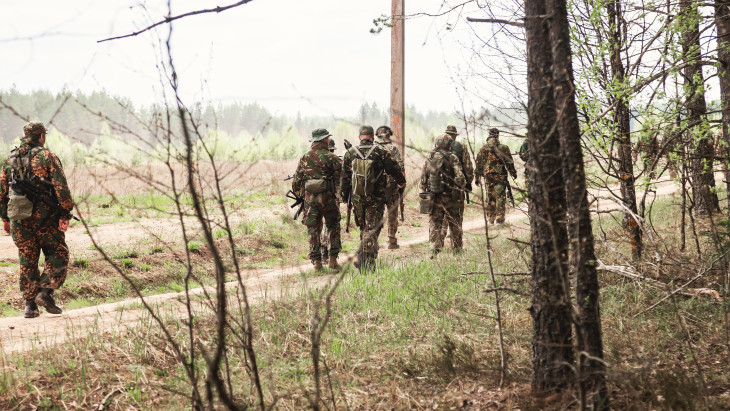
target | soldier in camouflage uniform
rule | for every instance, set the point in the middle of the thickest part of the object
(462, 153)
(443, 178)
(524, 154)
(324, 239)
(45, 229)
(494, 161)
(369, 208)
(316, 179)
(648, 147)
(392, 196)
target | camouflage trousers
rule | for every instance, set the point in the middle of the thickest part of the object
(496, 199)
(370, 227)
(459, 218)
(322, 207)
(445, 214)
(31, 238)
(392, 206)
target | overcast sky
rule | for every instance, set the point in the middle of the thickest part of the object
(308, 56)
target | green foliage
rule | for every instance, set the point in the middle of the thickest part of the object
(126, 263)
(194, 247)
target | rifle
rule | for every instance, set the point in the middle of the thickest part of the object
(509, 190)
(402, 217)
(348, 145)
(35, 194)
(298, 201)
(288, 178)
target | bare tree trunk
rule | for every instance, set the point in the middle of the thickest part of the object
(552, 351)
(582, 258)
(703, 179)
(621, 115)
(722, 22)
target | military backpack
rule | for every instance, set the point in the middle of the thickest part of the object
(438, 167)
(363, 173)
(20, 206)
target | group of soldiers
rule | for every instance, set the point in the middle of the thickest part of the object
(370, 178)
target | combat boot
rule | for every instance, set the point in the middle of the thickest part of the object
(333, 263)
(317, 265)
(393, 244)
(45, 300)
(31, 309)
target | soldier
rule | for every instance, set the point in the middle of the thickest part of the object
(444, 180)
(324, 239)
(648, 146)
(37, 217)
(524, 154)
(316, 179)
(462, 153)
(494, 161)
(392, 197)
(362, 178)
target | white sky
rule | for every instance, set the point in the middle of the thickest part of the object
(279, 53)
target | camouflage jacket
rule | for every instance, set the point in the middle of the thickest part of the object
(47, 167)
(452, 176)
(495, 160)
(318, 163)
(383, 161)
(524, 152)
(462, 153)
(391, 187)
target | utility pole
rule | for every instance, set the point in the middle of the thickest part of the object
(397, 69)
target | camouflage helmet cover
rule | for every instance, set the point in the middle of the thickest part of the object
(319, 134)
(34, 129)
(451, 130)
(384, 133)
(493, 132)
(443, 141)
(366, 131)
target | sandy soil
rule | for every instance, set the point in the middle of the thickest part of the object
(20, 334)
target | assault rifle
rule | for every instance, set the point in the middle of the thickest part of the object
(288, 178)
(508, 187)
(402, 217)
(298, 201)
(35, 194)
(348, 145)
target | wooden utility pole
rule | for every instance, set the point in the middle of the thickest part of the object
(397, 68)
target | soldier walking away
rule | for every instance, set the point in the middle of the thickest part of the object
(393, 199)
(494, 161)
(524, 154)
(35, 205)
(316, 179)
(363, 181)
(324, 239)
(462, 153)
(443, 181)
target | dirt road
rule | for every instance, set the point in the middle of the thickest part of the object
(20, 334)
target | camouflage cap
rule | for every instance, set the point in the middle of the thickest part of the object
(366, 131)
(451, 130)
(383, 133)
(319, 134)
(443, 141)
(34, 128)
(493, 132)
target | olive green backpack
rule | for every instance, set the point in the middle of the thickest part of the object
(20, 206)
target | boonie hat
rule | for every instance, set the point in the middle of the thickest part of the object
(451, 130)
(319, 134)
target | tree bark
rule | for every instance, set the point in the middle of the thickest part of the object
(582, 258)
(703, 179)
(552, 350)
(621, 116)
(722, 22)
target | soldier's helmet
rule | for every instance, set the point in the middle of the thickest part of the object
(34, 129)
(332, 145)
(319, 134)
(494, 132)
(384, 133)
(366, 131)
(443, 141)
(451, 130)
